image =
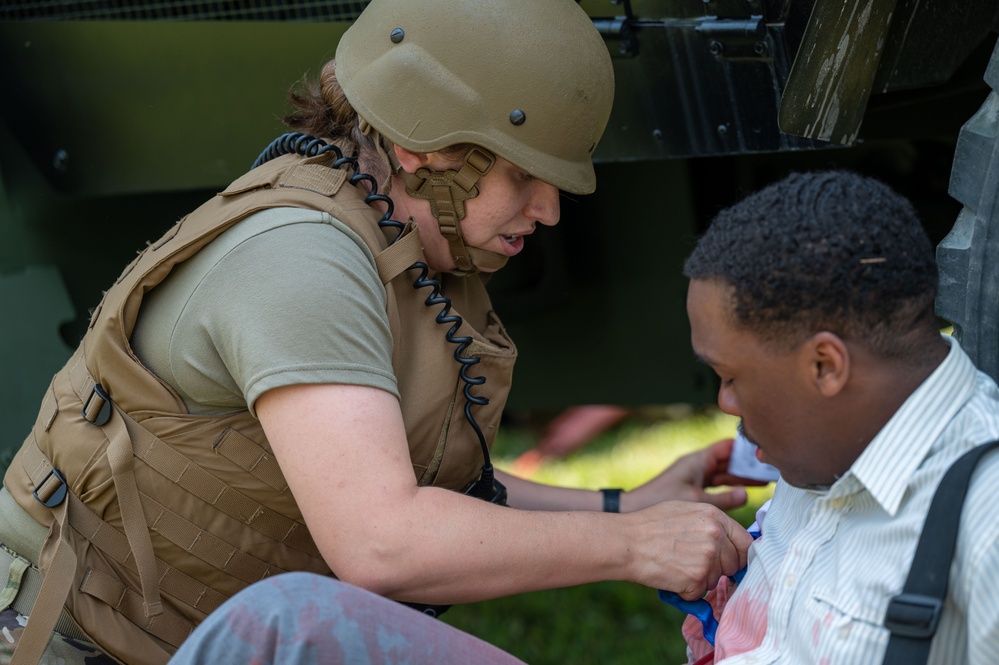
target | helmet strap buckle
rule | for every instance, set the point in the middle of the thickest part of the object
(447, 192)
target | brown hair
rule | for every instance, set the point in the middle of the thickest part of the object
(321, 109)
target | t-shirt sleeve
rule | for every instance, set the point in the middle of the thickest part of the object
(300, 303)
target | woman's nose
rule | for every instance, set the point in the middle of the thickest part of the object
(544, 204)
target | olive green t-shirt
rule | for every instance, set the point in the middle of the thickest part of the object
(286, 296)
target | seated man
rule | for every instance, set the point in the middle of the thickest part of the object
(813, 302)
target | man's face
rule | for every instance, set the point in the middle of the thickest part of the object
(768, 389)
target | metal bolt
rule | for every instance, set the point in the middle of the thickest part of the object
(60, 161)
(722, 130)
(657, 134)
(716, 47)
(760, 48)
(517, 117)
(397, 35)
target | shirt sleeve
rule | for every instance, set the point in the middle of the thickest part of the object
(297, 303)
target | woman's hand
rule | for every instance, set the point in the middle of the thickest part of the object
(687, 479)
(686, 547)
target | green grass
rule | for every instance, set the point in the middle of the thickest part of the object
(613, 623)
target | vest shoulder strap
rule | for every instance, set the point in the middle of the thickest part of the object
(914, 614)
(400, 255)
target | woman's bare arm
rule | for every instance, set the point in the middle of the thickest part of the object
(344, 453)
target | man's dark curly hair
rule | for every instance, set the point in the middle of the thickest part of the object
(827, 250)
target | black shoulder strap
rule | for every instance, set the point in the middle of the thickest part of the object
(913, 615)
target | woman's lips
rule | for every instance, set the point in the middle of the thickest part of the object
(512, 244)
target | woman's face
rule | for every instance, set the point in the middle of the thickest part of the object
(509, 206)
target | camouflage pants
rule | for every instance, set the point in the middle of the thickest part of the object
(61, 649)
(16, 592)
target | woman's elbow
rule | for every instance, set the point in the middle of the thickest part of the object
(379, 568)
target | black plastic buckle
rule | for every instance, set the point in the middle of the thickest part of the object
(97, 408)
(913, 615)
(488, 489)
(55, 497)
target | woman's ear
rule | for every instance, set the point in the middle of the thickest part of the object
(410, 161)
(829, 363)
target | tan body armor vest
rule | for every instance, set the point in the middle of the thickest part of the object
(157, 516)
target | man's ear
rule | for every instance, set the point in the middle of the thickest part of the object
(829, 363)
(411, 161)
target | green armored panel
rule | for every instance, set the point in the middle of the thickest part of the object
(115, 121)
(969, 256)
(35, 304)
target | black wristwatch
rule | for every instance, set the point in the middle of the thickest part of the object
(612, 499)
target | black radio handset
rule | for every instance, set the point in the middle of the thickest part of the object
(487, 487)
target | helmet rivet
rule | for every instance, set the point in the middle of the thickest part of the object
(397, 35)
(517, 117)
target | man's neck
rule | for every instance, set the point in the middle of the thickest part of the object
(879, 388)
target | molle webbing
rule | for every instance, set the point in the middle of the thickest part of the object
(165, 625)
(171, 464)
(142, 514)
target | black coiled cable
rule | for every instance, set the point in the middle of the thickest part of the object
(444, 317)
(309, 146)
(297, 143)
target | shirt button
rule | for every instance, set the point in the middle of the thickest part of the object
(790, 580)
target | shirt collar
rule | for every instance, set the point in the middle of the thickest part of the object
(890, 459)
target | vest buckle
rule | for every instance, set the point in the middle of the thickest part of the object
(53, 493)
(97, 408)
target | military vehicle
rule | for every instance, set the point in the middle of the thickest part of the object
(118, 118)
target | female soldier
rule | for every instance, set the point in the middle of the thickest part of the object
(292, 380)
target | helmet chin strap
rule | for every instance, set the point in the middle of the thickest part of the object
(447, 192)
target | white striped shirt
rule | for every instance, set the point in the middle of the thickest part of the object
(821, 576)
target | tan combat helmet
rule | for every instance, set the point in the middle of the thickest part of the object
(528, 80)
